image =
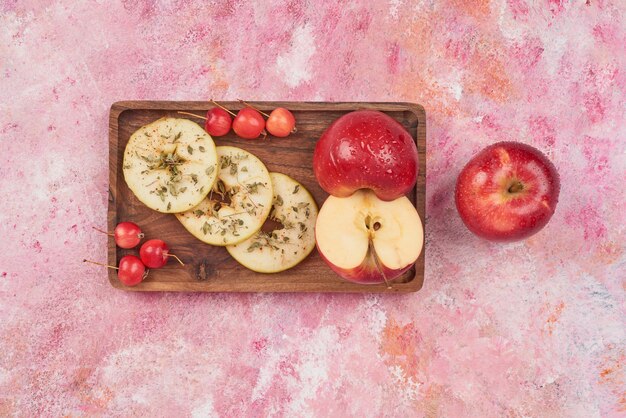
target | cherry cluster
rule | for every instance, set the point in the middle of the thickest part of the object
(248, 123)
(153, 254)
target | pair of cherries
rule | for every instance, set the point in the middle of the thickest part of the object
(248, 123)
(154, 253)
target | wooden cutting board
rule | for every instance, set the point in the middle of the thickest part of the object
(211, 269)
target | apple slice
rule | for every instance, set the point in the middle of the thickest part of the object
(170, 164)
(281, 249)
(238, 204)
(368, 240)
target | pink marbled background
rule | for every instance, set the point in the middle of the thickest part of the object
(528, 329)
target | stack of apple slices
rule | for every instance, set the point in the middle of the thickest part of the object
(367, 231)
(243, 198)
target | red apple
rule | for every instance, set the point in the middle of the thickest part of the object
(366, 149)
(367, 240)
(507, 192)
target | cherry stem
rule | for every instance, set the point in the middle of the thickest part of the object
(249, 105)
(191, 114)
(177, 259)
(104, 232)
(100, 264)
(221, 107)
(377, 263)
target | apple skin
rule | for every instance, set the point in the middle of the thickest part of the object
(366, 149)
(366, 273)
(507, 192)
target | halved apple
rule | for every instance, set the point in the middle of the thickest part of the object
(170, 164)
(367, 240)
(280, 249)
(238, 204)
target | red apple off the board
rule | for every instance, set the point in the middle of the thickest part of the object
(507, 192)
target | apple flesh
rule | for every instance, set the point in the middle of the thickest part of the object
(367, 240)
(366, 149)
(507, 192)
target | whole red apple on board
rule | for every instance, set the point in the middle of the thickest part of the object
(507, 192)
(366, 149)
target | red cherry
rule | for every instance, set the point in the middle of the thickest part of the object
(248, 123)
(130, 272)
(127, 234)
(155, 252)
(218, 122)
(281, 122)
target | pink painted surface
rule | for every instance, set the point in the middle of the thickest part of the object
(528, 329)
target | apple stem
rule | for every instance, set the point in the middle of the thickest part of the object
(377, 263)
(249, 105)
(100, 264)
(191, 114)
(177, 259)
(221, 107)
(104, 232)
(516, 187)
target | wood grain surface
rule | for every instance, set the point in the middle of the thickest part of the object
(211, 269)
